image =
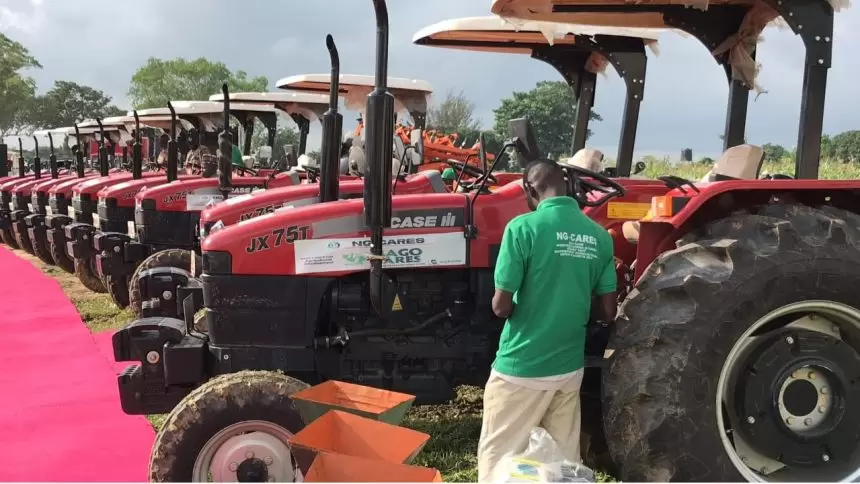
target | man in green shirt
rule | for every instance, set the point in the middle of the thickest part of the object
(551, 263)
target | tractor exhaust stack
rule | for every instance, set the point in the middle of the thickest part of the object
(332, 125)
(136, 155)
(79, 155)
(22, 166)
(4, 159)
(104, 169)
(37, 162)
(225, 148)
(172, 147)
(379, 131)
(52, 159)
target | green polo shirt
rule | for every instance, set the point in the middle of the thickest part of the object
(553, 260)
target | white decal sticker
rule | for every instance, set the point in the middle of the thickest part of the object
(49, 210)
(198, 202)
(234, 200)
(132, 232)
(335, 255)
(97, 221)
(71, 212)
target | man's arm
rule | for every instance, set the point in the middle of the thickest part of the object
(509, 272)
(606, 290)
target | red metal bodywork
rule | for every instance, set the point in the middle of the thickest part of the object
(172, 197)
(125, 192)
(92, 187)
(491, 213)
(66, 187)
(265, 202)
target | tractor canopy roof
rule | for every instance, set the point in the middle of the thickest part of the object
(207, 114)
(308, 104)
(495, 34)
(409, 94)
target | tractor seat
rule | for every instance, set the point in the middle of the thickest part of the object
(742, 162)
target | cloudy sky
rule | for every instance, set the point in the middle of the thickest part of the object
(101, 43)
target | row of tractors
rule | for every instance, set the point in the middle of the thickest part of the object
(736, 354)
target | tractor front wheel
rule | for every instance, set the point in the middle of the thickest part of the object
(88, 275)
(178, 258)
(737, 356)
(117, 287)
(60, 258)
(234, 428)
(23, 240)
(9, 238)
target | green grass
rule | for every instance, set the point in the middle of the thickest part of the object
(828, 170)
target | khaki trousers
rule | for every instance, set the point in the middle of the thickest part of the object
(511, 411)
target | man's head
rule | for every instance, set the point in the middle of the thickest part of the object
(543, 179)
(163, 140)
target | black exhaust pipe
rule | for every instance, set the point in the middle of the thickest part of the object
(379, 131)
(225, 148)
(332, 128)
(22, 166)
(4, 159)
(37, 162)
(136, 155)
(79, 155)
(103, 159)
(52, 159)
(172, 147)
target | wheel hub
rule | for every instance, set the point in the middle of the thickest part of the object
(251, 451)
(793, 392)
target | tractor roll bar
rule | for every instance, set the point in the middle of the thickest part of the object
(79, 155)
(37, 162)
(225, 148)
(172, 147)
(332, 126)
(21, 164)
(103, 161)
(136, 155)
(52, 159)
(379, 132)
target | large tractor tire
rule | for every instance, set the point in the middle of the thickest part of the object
(43, 250)
(179, 258)
(9, 238)
(24, 241)
(211, 433)
(736, 356)
(88, 275)
(117, 287)
(62, 260)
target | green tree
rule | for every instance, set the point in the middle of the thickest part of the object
(846, 146)
(455, 114)
(285, 135)
(16, 89)
(551, 111)
(774, 152)
(159, 81)
(69, 102)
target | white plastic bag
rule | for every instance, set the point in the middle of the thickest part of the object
(542, 461)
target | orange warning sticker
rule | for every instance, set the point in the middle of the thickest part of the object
(627, 210)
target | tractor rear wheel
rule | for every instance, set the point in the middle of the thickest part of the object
(179, 258)
(233, 428)
(24, 241)
(88, 275)
(117, 287)
(9, 238)
(737, 356)
(61, 259)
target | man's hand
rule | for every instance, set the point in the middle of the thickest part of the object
(503, 303)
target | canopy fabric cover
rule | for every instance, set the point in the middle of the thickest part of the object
(495, 34)
(311, 105)
(409, 94)
(208, 113)
(740, 45)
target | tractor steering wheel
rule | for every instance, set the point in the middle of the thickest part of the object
(313, 173)
(471, 170)
(582, 181)
(244, 171)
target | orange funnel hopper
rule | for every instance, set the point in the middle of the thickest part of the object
(348, 434)
(344, 468)
(382, 405)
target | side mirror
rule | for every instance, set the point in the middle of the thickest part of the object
(416, 140)
(399, 148)
(527, 149)
(639, 167)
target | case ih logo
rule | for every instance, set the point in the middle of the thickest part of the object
(449, 219)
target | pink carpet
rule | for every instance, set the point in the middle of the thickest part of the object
(60, 418)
